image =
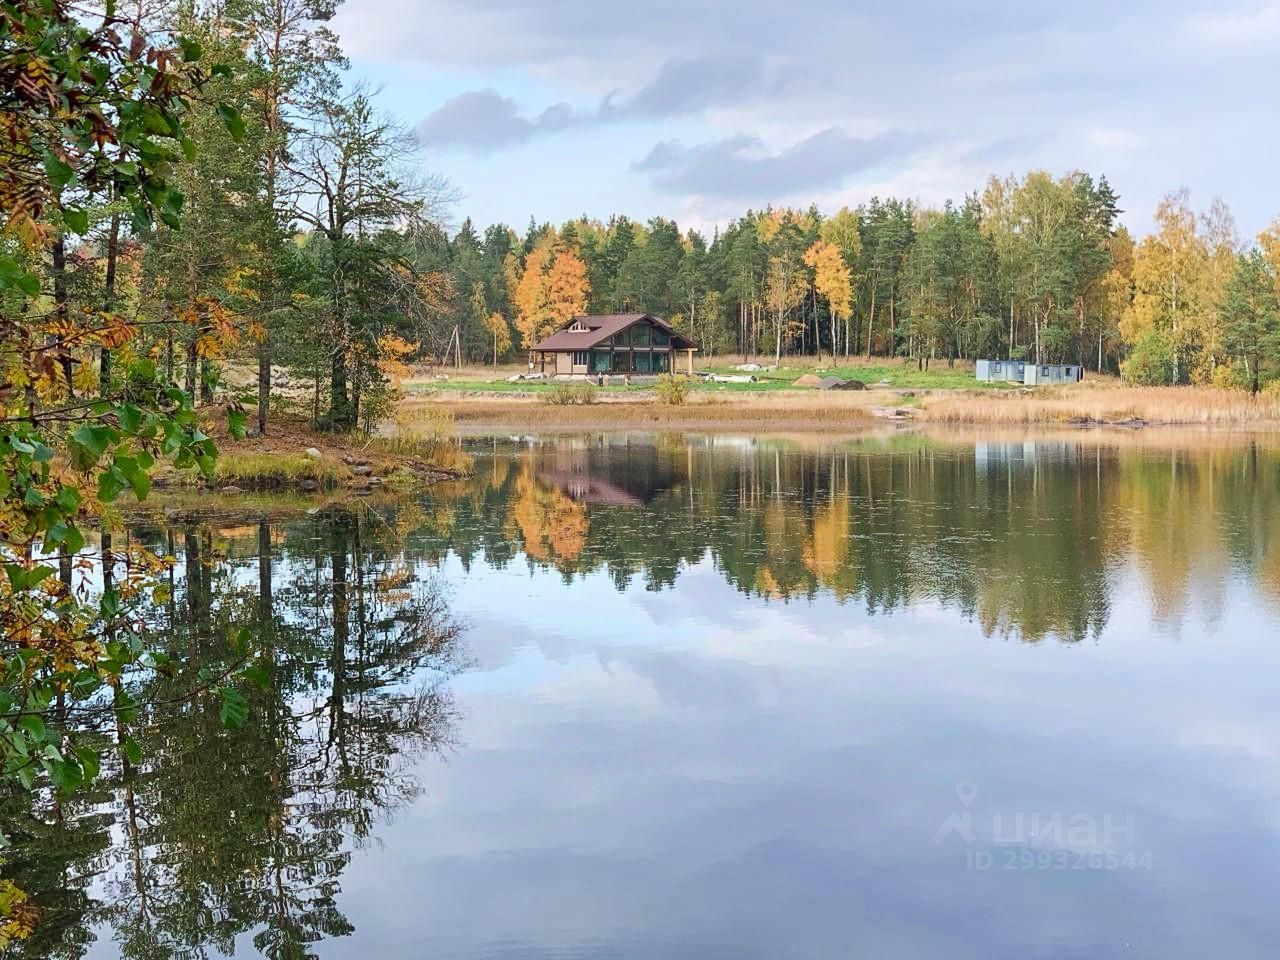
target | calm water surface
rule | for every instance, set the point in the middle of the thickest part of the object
(667, 696)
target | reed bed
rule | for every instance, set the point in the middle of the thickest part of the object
(1192, 406)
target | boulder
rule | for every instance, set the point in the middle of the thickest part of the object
(230, 488)
(362, 470)
(313, 453)
(309, 486)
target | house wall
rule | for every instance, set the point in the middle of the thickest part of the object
(1047, 373)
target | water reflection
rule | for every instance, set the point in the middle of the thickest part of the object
(725, 690)
(216, 838)
(1025, 537)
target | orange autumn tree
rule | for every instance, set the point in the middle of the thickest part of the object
(568, 288)
(549, 292)
(531, 298)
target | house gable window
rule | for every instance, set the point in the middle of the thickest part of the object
(577, 327)
(660, 339)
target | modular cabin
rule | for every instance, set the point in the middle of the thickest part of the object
(1030, 374)
(616, 343)
(1010, 371)
(1038, 374)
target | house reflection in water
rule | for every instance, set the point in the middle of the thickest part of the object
(613, 471)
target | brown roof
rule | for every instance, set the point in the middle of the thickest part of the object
(601, 328)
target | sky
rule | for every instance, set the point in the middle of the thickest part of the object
(700, 110)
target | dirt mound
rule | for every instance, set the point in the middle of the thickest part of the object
(807, 380)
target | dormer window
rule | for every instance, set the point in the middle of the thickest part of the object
(577, 327)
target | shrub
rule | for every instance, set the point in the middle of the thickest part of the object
(1151, 362)
(569, 394)
(1228, 376)
(672, 389)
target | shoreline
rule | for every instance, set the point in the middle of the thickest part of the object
(1081, 408)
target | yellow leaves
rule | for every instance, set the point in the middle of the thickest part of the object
(392, 352)
(832, 277)
(551, 525)
(216, 324)
(549, 292)
(531, 297)
(768, 226)
(496, 326)
(1269, 242)
(114, 331)
(18, 916)
(842, 230)
(567, 287)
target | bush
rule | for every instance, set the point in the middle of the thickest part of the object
(672, 389)
(1151, 362)
(1229, 376)
(569, 394)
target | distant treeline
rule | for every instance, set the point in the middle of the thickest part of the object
(1032, 267)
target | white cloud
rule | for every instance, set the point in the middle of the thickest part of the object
(1253, 28)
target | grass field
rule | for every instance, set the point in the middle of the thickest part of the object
(902, 375)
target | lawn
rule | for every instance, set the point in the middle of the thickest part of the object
(888, 374)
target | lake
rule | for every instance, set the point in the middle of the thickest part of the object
(636, 696)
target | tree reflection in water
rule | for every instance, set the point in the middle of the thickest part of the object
(216, 837)
(1026, 537)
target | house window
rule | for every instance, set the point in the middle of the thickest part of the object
(600, 361)
(642, 363)
(640, 335)
(661, 362)
(580, 358)
(660, 339)
(577, 327)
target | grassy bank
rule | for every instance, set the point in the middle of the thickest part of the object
(292, 456)
(890, 374)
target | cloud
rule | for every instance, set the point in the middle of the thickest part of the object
(687, 85)
(1239, 29)
(483, 121)
(741, 167)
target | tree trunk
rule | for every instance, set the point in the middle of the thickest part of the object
(109, 302)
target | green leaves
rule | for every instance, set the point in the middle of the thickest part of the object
(191, 49)
(59, 172)
(232, 120)
(236, 422)
(234, 710)
(13, 277)
(77, 220)
(24, 578)
(88, 443)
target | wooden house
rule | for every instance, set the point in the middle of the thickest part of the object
(615, 343)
